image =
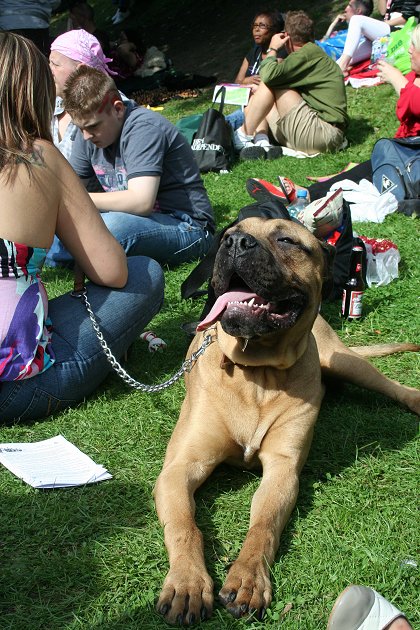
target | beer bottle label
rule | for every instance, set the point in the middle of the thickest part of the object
(354, 306)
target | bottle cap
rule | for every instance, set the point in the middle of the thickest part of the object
(302, 193)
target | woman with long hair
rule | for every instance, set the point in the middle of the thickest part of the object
(50, 357)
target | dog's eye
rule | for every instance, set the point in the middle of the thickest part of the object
(286, 239)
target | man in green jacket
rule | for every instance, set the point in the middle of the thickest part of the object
(301, 100)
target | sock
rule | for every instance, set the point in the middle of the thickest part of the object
(261, 140)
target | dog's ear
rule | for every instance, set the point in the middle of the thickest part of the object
(328, 275)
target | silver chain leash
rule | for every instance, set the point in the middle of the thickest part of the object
(185, 367)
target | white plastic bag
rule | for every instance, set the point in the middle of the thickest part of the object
(382, 261)
(366, 203)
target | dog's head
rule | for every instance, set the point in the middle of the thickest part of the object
(268, 278)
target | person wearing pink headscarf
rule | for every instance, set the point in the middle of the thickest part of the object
(68, 52)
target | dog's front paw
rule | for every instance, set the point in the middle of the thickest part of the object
(186, 597)
(247, 590)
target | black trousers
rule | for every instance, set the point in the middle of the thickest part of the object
(355, 174)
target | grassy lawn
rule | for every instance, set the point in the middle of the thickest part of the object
(93, 558)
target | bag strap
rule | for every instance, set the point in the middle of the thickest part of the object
(221, 91)
(411, 141)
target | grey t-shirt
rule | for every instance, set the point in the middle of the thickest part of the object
(148, 145)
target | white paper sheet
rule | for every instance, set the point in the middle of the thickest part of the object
(53, 463)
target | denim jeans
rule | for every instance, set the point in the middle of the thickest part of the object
(80, 363)
(171, 239)
(236, 118)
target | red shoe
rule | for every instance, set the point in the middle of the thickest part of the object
(261, 190)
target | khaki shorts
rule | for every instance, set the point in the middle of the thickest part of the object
(303, 130)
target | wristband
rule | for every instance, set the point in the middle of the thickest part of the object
(272, 50)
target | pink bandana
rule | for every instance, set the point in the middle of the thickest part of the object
(80, 45)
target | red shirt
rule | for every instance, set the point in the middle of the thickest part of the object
(408, 109)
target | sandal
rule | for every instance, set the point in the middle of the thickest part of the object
(362, 608)
(289, 188)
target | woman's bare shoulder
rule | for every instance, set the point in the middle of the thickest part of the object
(44, 153)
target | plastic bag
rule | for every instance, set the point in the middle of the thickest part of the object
(365, 201)
(379, 48)
(382, 261)
(398, 45)
(334, 45)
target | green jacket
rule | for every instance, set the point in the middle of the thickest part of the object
(315, 76)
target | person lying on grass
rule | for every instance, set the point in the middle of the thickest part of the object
(395, 12)
(364, 47)
(50, 357)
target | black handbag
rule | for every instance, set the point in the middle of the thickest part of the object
(212, 144)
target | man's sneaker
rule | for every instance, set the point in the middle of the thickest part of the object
(273, 152)
(262, 190)
(252, 152)
(241, 140)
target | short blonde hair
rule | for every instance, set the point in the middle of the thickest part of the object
(415, 37)
(27, 95)
(88, 90)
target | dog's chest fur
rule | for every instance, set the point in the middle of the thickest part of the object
(255, 400)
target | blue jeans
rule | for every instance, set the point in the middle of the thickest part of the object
(80, 363)
(171, 239)
(236, 119)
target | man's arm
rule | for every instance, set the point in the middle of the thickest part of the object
(339, 18)
(382, 7)
(139, 198)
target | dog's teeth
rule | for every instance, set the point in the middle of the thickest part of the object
(251, 302)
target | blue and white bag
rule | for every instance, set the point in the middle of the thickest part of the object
(396, 167)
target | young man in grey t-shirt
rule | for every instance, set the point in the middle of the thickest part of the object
(155, 202)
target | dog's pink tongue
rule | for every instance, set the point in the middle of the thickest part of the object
(220, 305)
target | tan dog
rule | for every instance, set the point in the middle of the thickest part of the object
(252, 399)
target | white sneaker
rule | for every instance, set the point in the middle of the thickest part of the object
(241, 140)
(362, 608)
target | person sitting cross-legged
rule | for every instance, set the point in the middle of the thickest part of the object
(155, 202)
(302, 97)
(50, 356)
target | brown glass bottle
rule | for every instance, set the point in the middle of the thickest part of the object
(351, 305)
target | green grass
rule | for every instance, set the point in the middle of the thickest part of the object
(93, 558)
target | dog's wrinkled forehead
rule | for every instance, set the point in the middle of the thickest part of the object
(290, 244)
(272, 229)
